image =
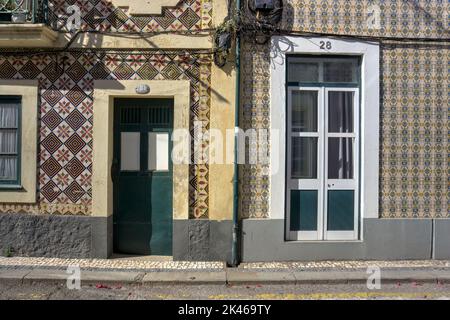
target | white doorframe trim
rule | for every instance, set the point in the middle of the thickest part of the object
(370, 111)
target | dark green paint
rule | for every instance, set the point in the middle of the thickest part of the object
(341, 210)
(304, 210)
(142, 199)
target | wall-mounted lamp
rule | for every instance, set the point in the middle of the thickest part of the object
(143, 89)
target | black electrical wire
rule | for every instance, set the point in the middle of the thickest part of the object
(278, 31)
(260, 32)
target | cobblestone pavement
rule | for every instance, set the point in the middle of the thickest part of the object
(346, 265)
(148, 265)
(110, 264)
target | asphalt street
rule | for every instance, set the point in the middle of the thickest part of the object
(48, 290)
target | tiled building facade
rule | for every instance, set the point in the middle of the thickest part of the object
(66, 76)
(404, 200)
(413, 170)
(414, 152)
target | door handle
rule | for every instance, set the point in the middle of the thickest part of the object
(114, 169)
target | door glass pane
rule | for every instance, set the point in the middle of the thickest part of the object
(340, 71)
(341, 210)
(323, 69)
(158, 151)
(340, 158)
(303, 72)
(303, 210)
(340, 111)
(8, 168)
(304, 111)
(304, 158)
(8, 141)
(130, 151)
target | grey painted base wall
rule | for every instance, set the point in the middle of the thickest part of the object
(92, 237)
(383, 239)
(55, 236)
(441, 249)
(202, 240)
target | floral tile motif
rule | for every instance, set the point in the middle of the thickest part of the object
(66, 88)
(255, 110)
(66, 97)
(415, 132)
(415, 19)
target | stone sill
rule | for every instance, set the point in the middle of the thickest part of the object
(27, 36)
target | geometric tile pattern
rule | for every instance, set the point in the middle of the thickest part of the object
(400, 18)
(101, 15)
(415, 106)
(255, 111)
(415, 136)
(66, 85)
(66, 114)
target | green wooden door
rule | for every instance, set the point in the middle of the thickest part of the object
(142, 176)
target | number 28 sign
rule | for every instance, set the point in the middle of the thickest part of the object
(325, 45)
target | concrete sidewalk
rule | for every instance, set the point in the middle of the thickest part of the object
(181, 272)
(226, 276)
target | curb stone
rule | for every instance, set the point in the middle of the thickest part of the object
(229, 276)
(183, 277)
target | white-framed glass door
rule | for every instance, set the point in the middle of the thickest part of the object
(341, 163)
(304, 136)
(322, 198)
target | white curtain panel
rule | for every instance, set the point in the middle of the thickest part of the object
(8, 168)
(8, 141)
(9, 118)
(9, 115)
(345, 156)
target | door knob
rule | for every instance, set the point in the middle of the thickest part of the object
(114, 169)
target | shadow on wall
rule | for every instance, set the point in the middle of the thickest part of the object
(104, 19)
(84, 23)
(254, 179)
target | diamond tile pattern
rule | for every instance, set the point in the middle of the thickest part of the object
(102, 15)
(67, 106)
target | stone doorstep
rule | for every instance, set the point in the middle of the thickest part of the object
(230, 276)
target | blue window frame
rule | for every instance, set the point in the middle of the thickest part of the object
(10, 137)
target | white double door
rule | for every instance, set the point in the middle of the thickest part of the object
(322, 163)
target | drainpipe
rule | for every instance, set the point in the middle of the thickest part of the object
(235, 248)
